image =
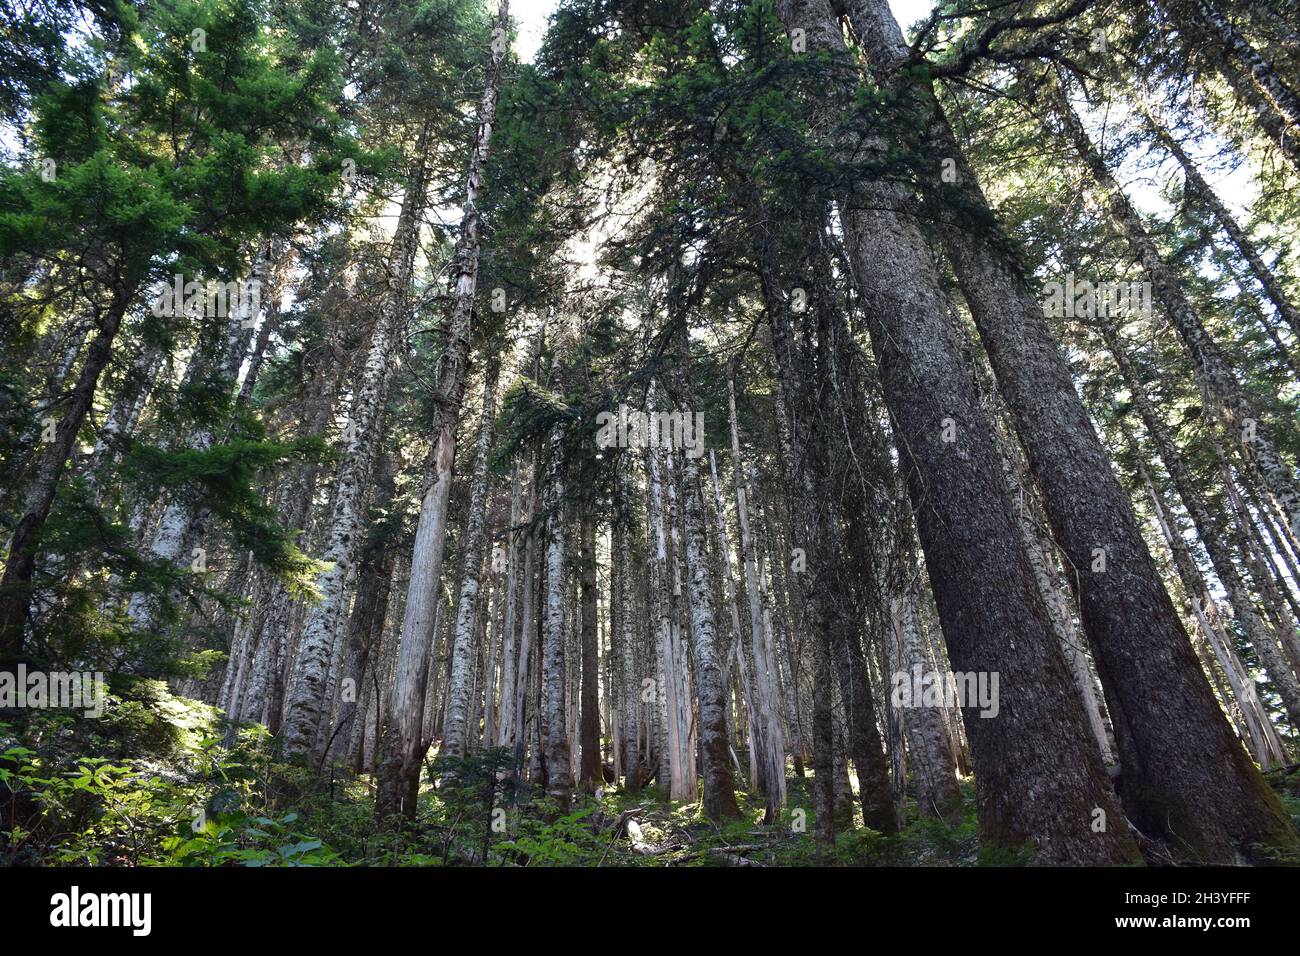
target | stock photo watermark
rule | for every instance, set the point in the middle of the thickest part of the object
(208, 299)
(631, 428)
(1084, 299)
(965, 689)
(49, 690)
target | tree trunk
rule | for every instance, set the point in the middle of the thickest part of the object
(928, 750)
(1207, 529)
(510, 631)
(20, 565)
(456, 733)
(183, 522)
(555, 740)
(1211, 369)
(719, 790)
(1140, 645)
(371, 602)
(404, 743)
(757, 742)
(1265, 743)
(668, 682)
(764, 707)
(1038, 777)
(628, 620)
(591, 773)
(1203, 192)
(804, 365)
(306, 702)
(1282, 102)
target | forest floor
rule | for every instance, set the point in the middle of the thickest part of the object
(162, 780)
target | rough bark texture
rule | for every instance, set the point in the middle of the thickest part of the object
(1255, 725)
(307, 702)
(590, 772)
(1278, 106)
(803, 363)
(1207, 529)
(528, 626)
(404, 742)
(510, 626)
(555, 739)
(927, 738)
(1141, 648)
(16, 583)
(456, 731)
(364, 623)
(719, 789)
(630, 690)
(1039, 779)
(263, 699)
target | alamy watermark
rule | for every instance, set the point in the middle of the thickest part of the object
(75, 909)
(209, 299)
(970, 689)
(68, 690)
(1084, 299)
(632, 428)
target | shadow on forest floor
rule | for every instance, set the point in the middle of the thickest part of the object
(162, 780)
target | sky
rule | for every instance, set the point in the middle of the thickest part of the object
(531, 16)
(1235, 188)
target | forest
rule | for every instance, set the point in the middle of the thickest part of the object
(649, 433)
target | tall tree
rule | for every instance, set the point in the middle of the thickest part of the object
(456, 732)
(966, 528)
(404, 743)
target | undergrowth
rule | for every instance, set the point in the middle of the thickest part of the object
(162, 780)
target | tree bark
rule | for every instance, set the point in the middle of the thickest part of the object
(1207, 529)
(765, 709)
(183, 521)
(630, 690)
(1279, 111)
(1212, 371)
(932, 763)
(20, 565)
(404, 743)
(1140, 646)
(1039, 779)
(804, 373)
(366, 619)
(510, 631)
(456, 732)
(719, 789)
(1202, 191)
(555, 740)
(660, 583)
(591, 773)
